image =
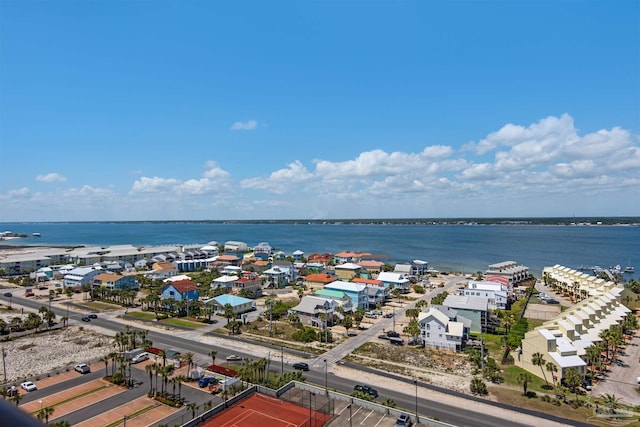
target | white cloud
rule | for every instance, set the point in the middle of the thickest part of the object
(20, 193)
(51, 177)
(280, 181)
(214, 171)
(214, 179)
(248, 125)
(154, 185)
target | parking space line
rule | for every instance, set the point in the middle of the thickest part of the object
(380, 420)
(365, 418)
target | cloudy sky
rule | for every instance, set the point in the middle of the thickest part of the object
(320, 109)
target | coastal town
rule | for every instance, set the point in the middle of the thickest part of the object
(563, 344)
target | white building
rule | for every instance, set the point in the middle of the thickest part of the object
(438, 331)
(394, 280)
(496, 293)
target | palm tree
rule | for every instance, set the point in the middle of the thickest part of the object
(538, 360)
(150, 369)
(105, 359)
(573, 379)
(213, 354)
(188, 359)
(193, 407)
(524, 379)
(45, 413)
(17, 398)
(552, 368)
(611, 401)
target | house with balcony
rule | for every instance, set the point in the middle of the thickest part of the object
(317, 281)
(116, 282)
(356, 291)
(437, 330)
(339, 297)
(323, 259)
(314, 311)
(248, 285)
(262, 250)
(348, 257)
(235, 246)
(376, 291)
(279, 275)
(474, 308)
(496, 293)
(394, 280)
(513, 272)
(80, 276)
(238, 304)
(347, 271)
(180, 290)
(371, 266)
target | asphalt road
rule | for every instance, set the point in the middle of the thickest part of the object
(454, 415)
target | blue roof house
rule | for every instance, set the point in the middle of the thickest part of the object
(356, 291)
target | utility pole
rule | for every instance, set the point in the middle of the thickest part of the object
(326, 382)
(281, 360)
(271, 317)
(4, 365)
(417, 416)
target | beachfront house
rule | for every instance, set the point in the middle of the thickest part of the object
(356, 291)
(249, 285)
(394, 280)
(162, 270)
(371, 266)
(348, 257)
(225, 282)
(298, 255)
(376, 291)
(233, 246)
(262, 251)
(280, 274)
(339, 297)
(316, 281)
(513, 272)
(347, 271)
(497, 293)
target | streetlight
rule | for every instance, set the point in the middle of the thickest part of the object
(417, 416)
(350, 423)
(40, 402)
(281, 359)
(326, 381)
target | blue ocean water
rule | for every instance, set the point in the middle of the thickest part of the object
(466, 248)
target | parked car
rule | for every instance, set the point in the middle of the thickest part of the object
(638, 380)
(396, 341)
(366, 389)
(86, 319)
(403, 420)
(28, 292)
(301, 366)
(383, 337)
(93, 316)
(371, 315)
(83, 368)
(28, 386)
(388, 315)
(207, 381)
(12, 391)
(393, 334)
(140, 357)
(234, 358)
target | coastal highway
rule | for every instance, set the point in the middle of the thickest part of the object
(427, 407)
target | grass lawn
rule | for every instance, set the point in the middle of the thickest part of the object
(142, 315)
(511, 377)
(182, 323)
(493, 344)
(100, 305)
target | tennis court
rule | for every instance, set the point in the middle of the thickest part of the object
(265, 411)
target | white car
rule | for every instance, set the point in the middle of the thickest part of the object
(140, 357)
(638, 380)
(83, 368)
(234, 358)
(28, 386)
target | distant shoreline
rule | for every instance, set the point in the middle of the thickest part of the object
(624, 221)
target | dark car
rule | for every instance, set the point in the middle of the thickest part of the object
(93, 316)
(366, 389)
(383, 337)
(207, 381)
(301, 366)
(86, 319)
(393, 334)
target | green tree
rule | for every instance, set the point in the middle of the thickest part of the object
(228, 312)
(611, 401)
(573, 380)
(552, 369)
(524, 379)
(347, 323)
(213, 354)
(538, 360)
(478, 386)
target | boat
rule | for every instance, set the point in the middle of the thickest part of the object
(35, 234)
(629, 269)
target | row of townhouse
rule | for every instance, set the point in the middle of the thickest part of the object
(563, 340)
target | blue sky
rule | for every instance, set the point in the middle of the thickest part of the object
(318, 109)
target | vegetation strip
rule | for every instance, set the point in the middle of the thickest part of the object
(134, 414)
(86, 393)
(182, 323)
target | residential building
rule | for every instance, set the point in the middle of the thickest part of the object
(340, 297)
(414, 268)
(180, 290)
(496, 293)
(474, 308)
(347, 271)
(162, 270)
(347, 256)
(280, 274)
(393, 280)
(376, 291)
(80, 276)
(114, 281)
(239, 305)
(225, 282)
(356, 291)
(298, 255)
(235, 247)
(438, 331)
(315, 311)
(323, 259)
(262, 251)
(248, 285)
(371, 266)
(510, 270)
(317, 281)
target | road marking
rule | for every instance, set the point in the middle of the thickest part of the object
(365, 418)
